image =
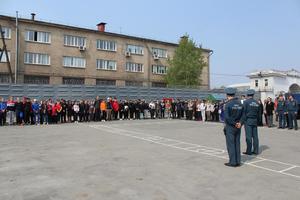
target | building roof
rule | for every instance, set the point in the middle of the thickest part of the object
(91, 30)
(273, 72)
(239, 85)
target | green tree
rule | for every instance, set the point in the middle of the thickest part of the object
(185, 67)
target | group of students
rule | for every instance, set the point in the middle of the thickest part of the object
(30, 111)
(26, 111)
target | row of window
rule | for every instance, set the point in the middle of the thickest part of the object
(77, 41)
(31, 79)
(266, 83)
(77, 62)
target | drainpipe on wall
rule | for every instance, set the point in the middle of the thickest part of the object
(17, 49)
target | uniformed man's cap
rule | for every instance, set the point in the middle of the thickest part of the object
(230, 91)
(250, 92)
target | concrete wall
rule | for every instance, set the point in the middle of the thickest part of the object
(90, 92)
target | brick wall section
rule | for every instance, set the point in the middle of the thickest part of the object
(57, 50)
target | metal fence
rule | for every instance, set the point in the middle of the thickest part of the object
(72, 92)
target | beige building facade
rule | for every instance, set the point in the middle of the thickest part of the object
(51, 53)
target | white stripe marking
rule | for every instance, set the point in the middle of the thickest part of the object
(287, 169)
(194, 148)
(255, 161)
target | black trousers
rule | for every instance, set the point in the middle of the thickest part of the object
(63, 117)
(131, 114)
(126, 114)
(97, 114)
(27, 117)
(1, 118)
(137, 114)
(103, 115)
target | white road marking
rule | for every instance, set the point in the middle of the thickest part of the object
(196, 148)
(287, 169)
(255, 161)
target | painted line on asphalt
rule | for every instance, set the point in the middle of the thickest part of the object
(287, 169)
(205, 150)
(255, 161)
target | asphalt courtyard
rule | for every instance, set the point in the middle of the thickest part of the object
(143, 160)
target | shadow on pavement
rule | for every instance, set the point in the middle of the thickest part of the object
(247, 158)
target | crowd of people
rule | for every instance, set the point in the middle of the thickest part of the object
(26, 111)
(283, 109)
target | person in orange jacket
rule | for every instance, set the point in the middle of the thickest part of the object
(103, 108)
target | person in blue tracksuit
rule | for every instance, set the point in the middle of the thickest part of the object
(250, 121)
(233, 113)
(292, 110)
(3, 107)
(281, 111)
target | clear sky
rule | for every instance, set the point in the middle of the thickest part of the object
(244, 35)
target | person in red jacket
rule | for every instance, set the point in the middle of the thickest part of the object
(115, 107)
(54, 113)
(58, 108)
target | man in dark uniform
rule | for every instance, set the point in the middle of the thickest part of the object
(233, 114)
(292, 110)
(281, 111)
(250, 120)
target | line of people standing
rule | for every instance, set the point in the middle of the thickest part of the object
(31, 111)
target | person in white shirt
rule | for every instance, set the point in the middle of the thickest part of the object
(202, 109)
(76, 111)
(209, 111)
(152, 109)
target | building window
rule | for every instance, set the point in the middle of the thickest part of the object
(73, 81)
(159, 69)
(135, 49)
(159, 84)
(76, 62)
(4, 78)
(36, 58)
(106, 45)
(266, 83)
(256, 83)
(3, 58)
(28, 79)
(74, 41)
(37, 36)
(105, 82)
(106, 64)
(6, 32)
(133, 83)
(134, 67)
(161, 53)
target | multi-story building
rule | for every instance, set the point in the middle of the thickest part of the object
(271, 83)
(50, 53)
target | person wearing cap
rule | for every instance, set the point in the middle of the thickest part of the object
(233, 114)
(250, 120)
(292, 109)
(281, 111)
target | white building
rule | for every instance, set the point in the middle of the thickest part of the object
(270, 83)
